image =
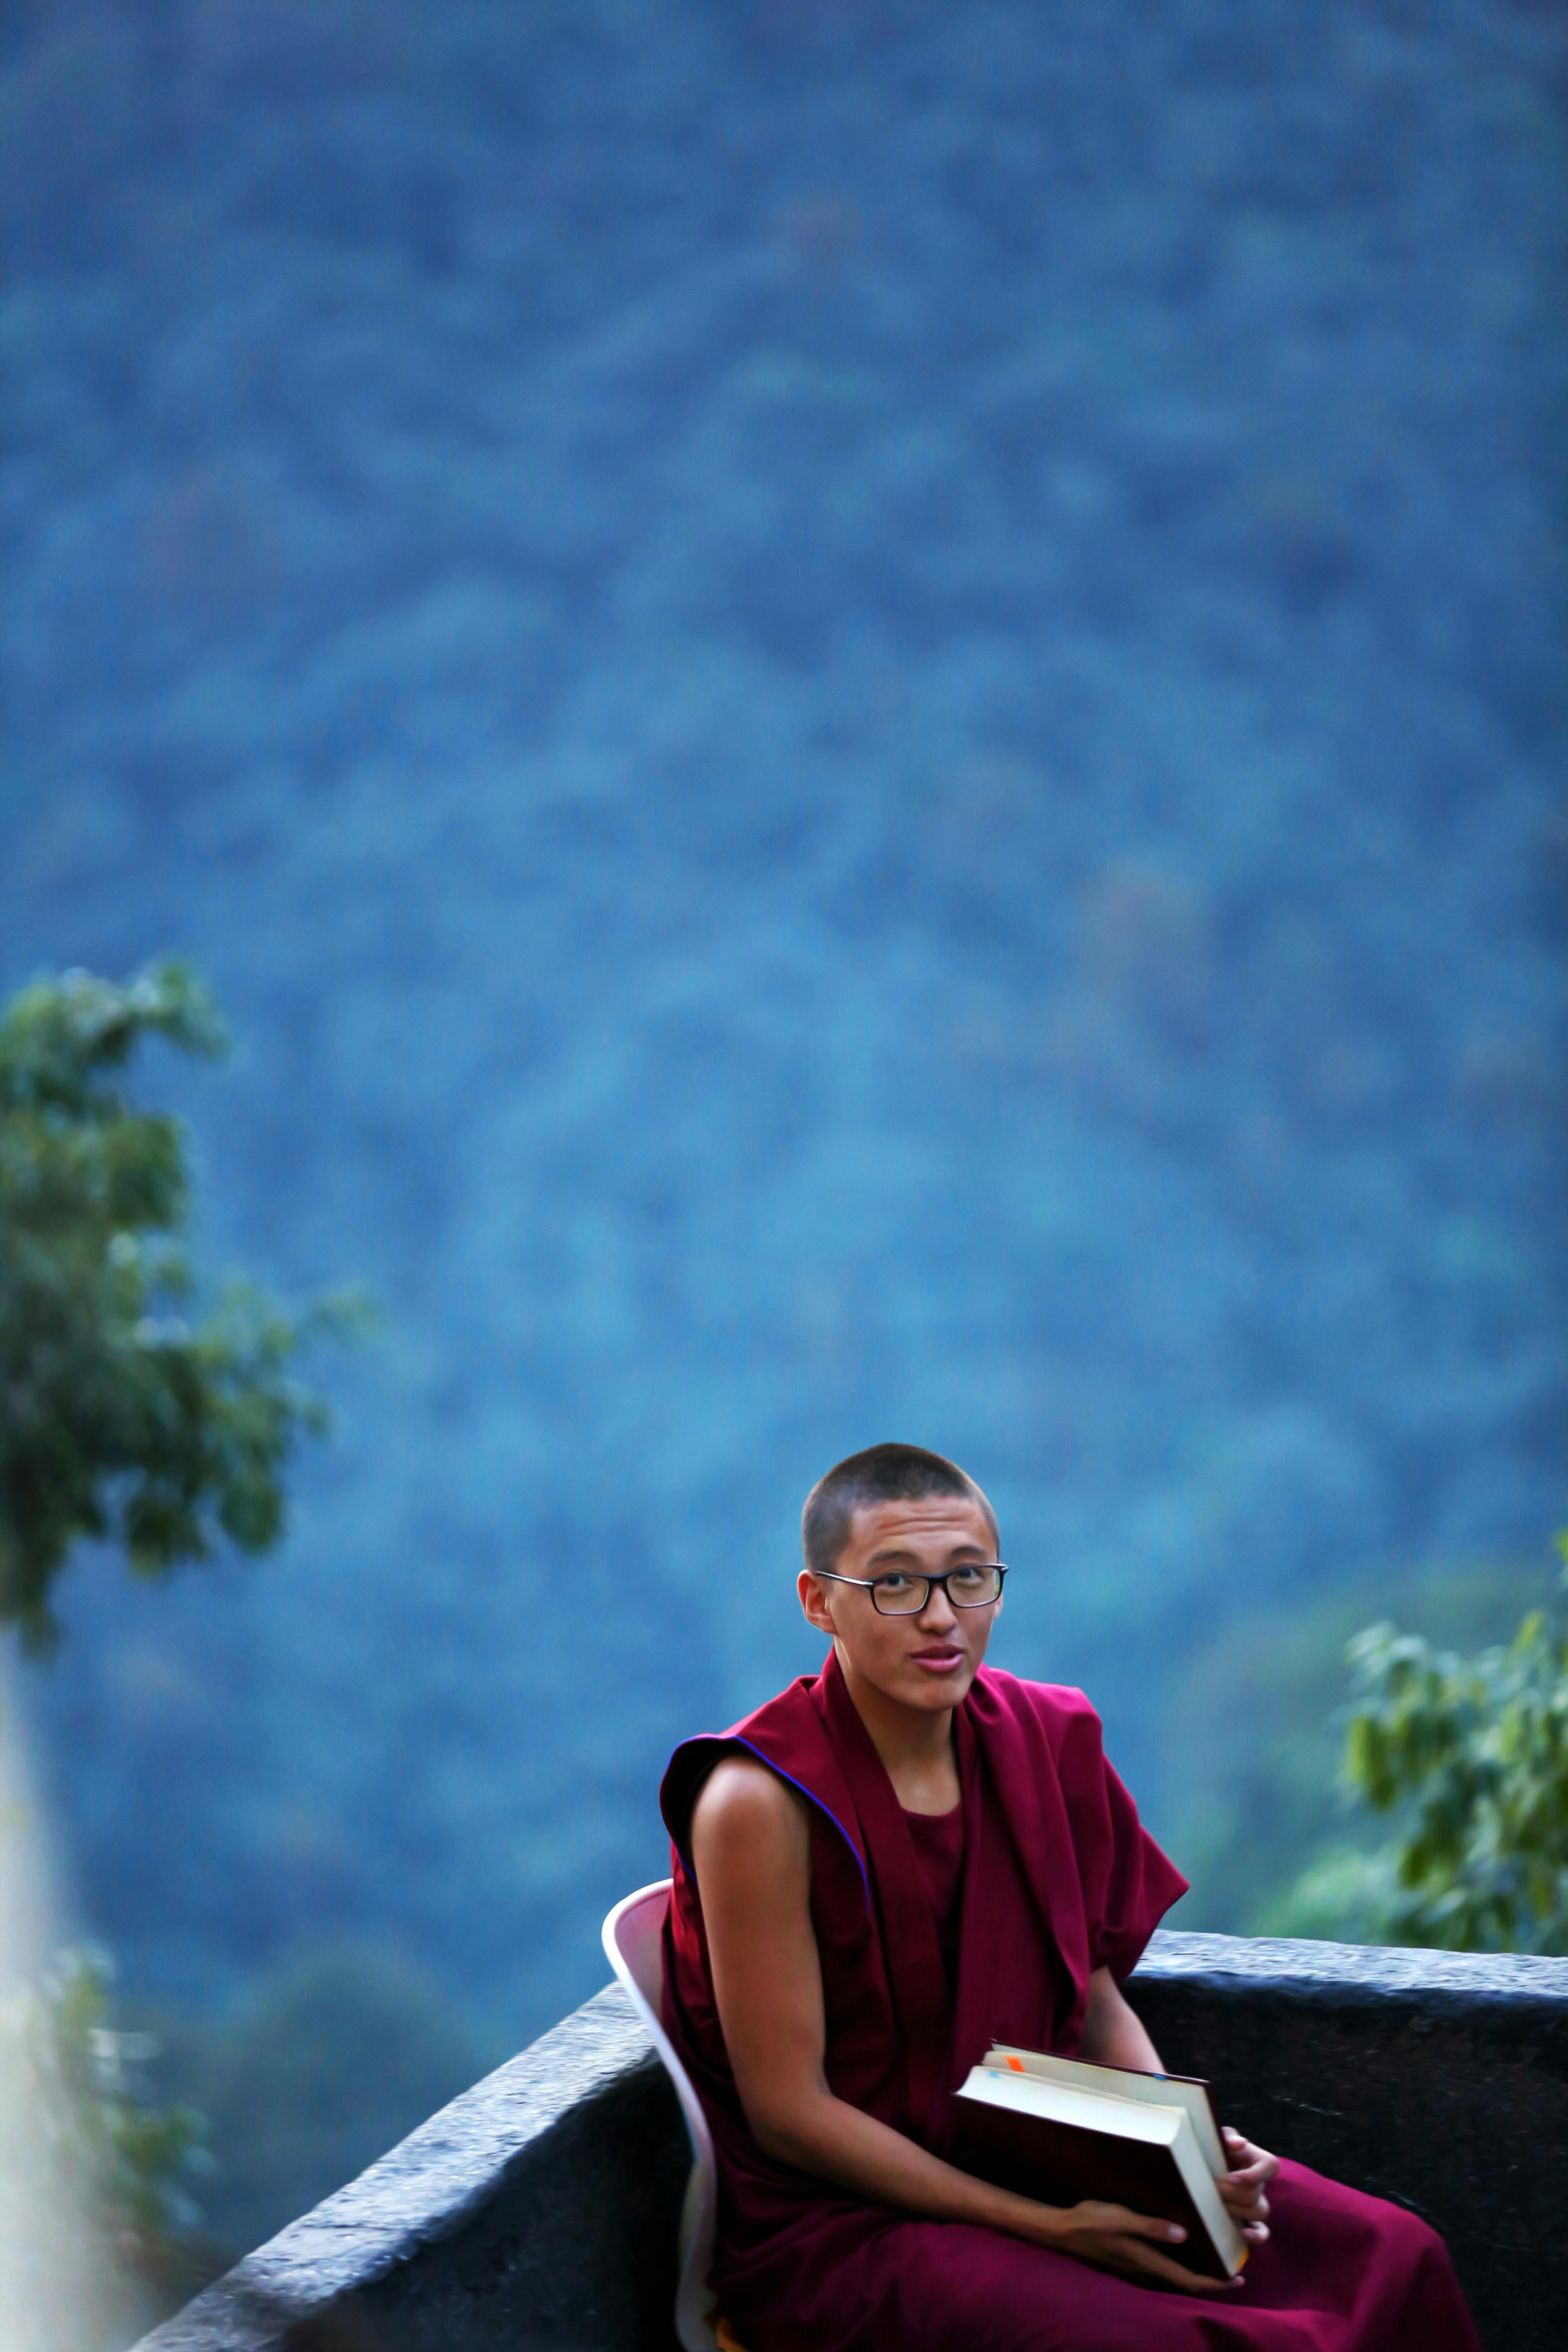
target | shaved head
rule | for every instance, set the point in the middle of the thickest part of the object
(883, 1473)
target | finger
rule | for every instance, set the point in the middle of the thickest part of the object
(1137, 2253)
(1121, 2221)
(1160, 2265)
(1256, 2233)
(1252, 2175)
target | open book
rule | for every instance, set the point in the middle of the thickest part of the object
(1062, 2129)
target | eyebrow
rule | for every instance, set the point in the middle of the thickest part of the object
(896, 1552)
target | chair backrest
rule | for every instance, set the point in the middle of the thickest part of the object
(637, 1926)
(634, 1946)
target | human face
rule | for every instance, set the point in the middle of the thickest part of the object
(925, 1663)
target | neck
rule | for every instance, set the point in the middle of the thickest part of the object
(911, 1740)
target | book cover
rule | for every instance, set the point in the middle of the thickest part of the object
(1053, 2141)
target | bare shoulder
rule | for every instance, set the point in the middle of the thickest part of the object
(744, 1806)
(751, 1849)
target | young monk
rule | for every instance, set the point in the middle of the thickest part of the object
(885, 1870)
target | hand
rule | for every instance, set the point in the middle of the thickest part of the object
(1112, 2238)
(1242, 2187)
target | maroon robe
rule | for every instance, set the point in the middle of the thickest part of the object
(1060, 1879)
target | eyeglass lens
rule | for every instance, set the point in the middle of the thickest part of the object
(905, 1596)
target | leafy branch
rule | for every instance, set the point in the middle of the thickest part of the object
(117, 1420)
(1476, 1750)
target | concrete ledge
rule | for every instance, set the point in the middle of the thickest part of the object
(538, 2212)
(1353, 1971)
(1436, 2079)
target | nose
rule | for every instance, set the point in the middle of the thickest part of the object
(938, 1615)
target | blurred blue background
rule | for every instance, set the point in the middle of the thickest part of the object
(860, 705)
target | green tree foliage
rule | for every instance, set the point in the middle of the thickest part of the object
(118, 1419)
(1473, 1754)
(1256, 1732)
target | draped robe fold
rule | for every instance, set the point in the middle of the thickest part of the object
(1060, 1879)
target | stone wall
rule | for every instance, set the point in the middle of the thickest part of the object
(1439, 2079)
(538, 2212)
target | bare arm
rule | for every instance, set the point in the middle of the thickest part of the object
(1115, 2035)
(752, 1847)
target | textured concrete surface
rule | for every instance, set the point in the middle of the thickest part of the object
(538, 2212)
(1439, 2079)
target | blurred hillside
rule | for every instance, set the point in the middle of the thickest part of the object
(860, 707)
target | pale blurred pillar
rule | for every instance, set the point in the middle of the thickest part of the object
(52, 2284)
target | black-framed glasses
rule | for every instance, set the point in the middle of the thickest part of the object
(895, 1593)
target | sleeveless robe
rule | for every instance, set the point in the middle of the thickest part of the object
(1060, 1879)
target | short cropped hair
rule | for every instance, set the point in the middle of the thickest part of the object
(883, 1473)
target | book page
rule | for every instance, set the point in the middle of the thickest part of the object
(1122, 2082)
(1090, 2110)
(1228, 2242)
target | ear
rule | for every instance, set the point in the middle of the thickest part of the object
(814, 1602)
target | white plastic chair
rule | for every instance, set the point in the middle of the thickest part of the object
(634, 1948)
